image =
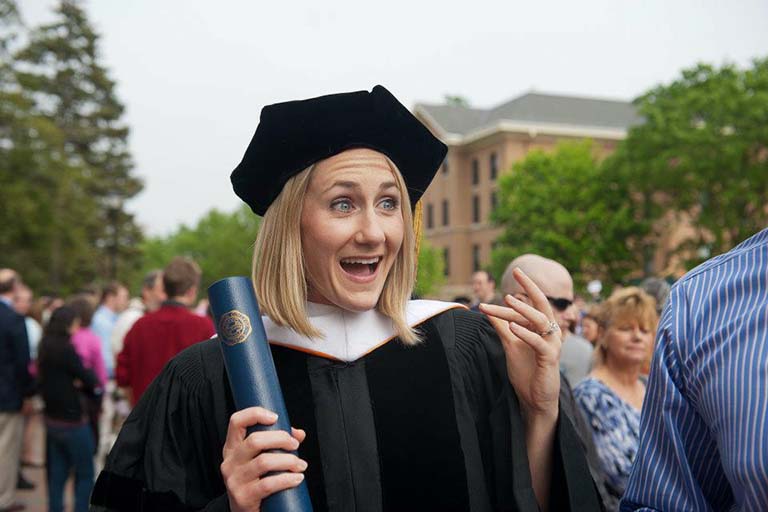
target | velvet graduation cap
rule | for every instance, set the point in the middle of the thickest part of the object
(293, 135)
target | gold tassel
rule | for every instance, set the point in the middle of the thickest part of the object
(417, 230)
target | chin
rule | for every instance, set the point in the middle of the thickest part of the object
(358, 304)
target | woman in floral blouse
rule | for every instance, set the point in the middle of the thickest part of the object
(612, 395)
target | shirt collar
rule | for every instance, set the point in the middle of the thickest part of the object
(348, 336)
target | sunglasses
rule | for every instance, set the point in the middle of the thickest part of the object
(560, 303)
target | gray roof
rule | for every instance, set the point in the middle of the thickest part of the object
(536, 108)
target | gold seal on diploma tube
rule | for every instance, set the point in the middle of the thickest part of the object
(234, 327)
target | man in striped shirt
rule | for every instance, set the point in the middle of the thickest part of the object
(704, 427)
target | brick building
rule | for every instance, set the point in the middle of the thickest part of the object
(483, 144)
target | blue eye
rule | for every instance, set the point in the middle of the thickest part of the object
(389, 203)
(342, 205)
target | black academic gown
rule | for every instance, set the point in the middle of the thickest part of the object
(435, 426)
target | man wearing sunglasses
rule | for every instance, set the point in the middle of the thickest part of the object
(576, 353)
(556, 282)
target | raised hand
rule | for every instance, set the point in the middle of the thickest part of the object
(531, 340)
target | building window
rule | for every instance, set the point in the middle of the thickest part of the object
(494, 166)
(494, 201)
(475, 258)
(446, 261)
(445, 165)
(430, 216)
(475, 208)
(446, 217)
(475, 171)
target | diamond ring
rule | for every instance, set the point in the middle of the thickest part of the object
(552, 328)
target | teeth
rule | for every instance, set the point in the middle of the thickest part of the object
(363, 261)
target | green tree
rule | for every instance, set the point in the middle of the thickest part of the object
(36, 181)
(221, 243)
(703, 152)
(430, 275)
(563, 205)
(59, 68)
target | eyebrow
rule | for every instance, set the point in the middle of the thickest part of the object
(356, 185)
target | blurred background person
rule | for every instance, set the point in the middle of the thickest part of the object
(484, 290)
(589, 325)
(64, 385)
(88, 348)
(556, 283)
(33, 437)
(16, 385)
(611, 397)
(114, 300)
(463, 300)
(158, 336)
(152, 297)
(658, 289)
(22, 303)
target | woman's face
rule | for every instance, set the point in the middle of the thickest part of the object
(351, 229)
(628, 341)
(589, 329)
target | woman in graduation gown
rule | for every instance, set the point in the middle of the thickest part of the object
(401, 405)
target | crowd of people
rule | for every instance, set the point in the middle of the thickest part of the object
(72, 368)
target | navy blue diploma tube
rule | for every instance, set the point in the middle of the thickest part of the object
(251, 370)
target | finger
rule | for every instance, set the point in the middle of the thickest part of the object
(532, 339)
(503, 330)
(274, 462)
(241, 420)
(250, 495)
(298, 434)
(275, 483)
(538, 321)
(258, 442)
(538, 298)
(504, 313)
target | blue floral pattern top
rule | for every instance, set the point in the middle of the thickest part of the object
(615, 428)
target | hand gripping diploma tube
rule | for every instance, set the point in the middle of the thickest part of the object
(251, 371)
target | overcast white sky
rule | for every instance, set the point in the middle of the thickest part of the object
(194, 74)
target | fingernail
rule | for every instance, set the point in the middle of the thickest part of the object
(303, 465)
(272, 415)
(298, 477)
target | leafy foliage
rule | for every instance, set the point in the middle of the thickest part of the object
(59, 74)
(221, 243)
(564, 206)
(703, 151)
(430, 275)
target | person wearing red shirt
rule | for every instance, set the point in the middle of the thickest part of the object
(158, 336)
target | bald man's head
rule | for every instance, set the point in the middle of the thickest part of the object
(550, 276)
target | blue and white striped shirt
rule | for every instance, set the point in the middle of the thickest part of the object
(704, 427)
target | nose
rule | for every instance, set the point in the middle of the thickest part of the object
(370, 230)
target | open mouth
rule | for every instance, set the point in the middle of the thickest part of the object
(360, 267)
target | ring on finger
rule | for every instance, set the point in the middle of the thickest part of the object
(552, 328)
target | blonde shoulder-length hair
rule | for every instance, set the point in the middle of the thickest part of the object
(626, 305)
(279, 274)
